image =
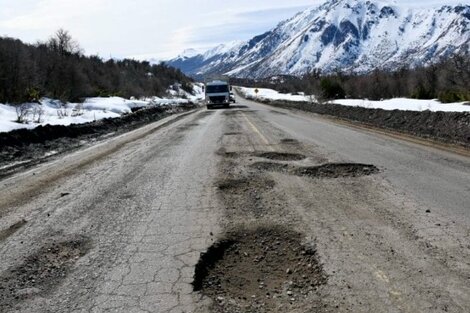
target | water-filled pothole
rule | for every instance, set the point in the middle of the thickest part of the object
(258, 271)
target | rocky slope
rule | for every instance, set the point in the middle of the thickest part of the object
(346, 35)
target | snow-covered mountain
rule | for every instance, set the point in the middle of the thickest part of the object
(346, 35)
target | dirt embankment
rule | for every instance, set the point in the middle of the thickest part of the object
(25, 147)
(448, 127)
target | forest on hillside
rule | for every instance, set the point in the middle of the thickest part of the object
(448, 81)
(57, 68)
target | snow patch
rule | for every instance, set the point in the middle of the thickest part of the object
(404, 104)
(352, 35)
(54, 112)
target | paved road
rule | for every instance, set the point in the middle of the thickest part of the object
(119, 227)
(435, 178)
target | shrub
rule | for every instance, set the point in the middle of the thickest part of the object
(449, 96)
(331, 89)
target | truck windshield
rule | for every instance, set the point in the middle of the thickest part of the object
(217, 88)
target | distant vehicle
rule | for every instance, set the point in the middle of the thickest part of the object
(232, 98)
(217, 93)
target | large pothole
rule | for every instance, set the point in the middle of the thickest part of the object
(270, 166)
(281, 156)
(41, 272)
(289, 141)
(335, 170)
(12, 229)
(243, 185)
(249, 196)
(230, 154)
(262, 270)
(186, 127)
(329, 170)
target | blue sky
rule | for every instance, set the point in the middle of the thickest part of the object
(151, 28)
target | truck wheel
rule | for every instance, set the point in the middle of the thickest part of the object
(209, 107)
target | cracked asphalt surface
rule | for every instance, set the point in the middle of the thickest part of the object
(119, 227)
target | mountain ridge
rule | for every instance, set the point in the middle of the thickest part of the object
(342, 35)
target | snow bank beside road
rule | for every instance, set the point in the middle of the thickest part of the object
(390, 104)
(406, 104)
(54, 112)
(8, 117)
(270, 94)
(448, 127)
(113, 104)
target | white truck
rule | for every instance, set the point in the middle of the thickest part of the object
(218, 93)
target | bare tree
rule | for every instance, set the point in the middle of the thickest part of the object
(78, 109)
(22, 113)
(57, 69)
(62, 112)
(63, 43)
(38, 114)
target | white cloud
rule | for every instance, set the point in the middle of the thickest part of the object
(160, 28)
(47, 13)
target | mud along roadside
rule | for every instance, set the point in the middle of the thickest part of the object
(20, 149)
(451, 128)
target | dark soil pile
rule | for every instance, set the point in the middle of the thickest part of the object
(32, 145)
(449, 127)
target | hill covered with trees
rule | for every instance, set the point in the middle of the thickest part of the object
(57, 68)
(448, 81)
